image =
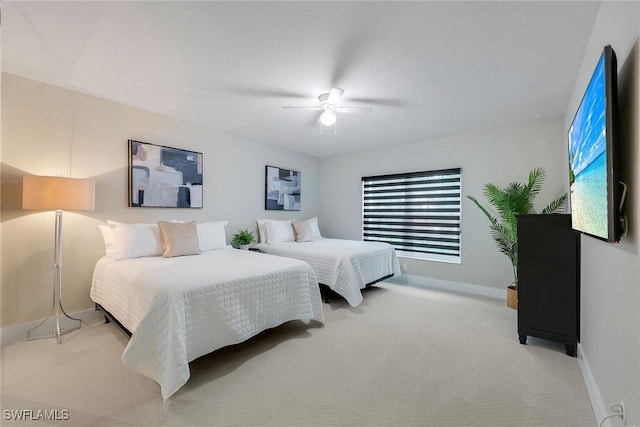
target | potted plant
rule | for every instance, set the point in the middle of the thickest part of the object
(509, 202)
(242, 239)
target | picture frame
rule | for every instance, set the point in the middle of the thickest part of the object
(164, 177)
(282, 189)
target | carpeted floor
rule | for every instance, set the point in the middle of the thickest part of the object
(405, 357)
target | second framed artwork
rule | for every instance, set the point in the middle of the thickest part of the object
(164, 177)
(282, 189)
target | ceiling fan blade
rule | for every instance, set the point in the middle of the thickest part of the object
(379, 101)
(266, 93)
(335, 93)
(354, 109)
(293, 107)
(349, 53)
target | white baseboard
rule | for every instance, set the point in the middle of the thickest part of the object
(427, 282)
(599, 408)
(15, 333)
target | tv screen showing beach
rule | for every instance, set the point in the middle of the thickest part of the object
(588, 159)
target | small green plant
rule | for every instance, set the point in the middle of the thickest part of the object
(242, 237)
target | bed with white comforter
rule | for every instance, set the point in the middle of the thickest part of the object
(345, 266)
(181, 308)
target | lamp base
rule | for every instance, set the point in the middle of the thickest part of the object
(57, 324)
(43, 331)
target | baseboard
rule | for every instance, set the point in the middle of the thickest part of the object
(599, 408)
(15, 333)
(467, 288)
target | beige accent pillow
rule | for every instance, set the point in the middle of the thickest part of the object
(303, 231)
(179, 239)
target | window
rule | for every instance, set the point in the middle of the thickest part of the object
(417, 213)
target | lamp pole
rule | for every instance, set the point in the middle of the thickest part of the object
(57, 308)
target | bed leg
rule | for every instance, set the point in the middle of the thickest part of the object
(106, 319)
(324, 293)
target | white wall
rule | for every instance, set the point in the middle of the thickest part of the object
(610, 273)
(48, 130)
(495, 155)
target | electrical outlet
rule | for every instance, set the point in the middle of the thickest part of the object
(404, 266)
(620, 409)
(617, 410)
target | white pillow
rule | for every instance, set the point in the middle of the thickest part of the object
(302, 231)
(212, 236)
(279, 231)
(262, 231)
(315, 230)
(109, 241)
(136, 240)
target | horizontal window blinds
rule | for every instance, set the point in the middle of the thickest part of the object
(417, 213)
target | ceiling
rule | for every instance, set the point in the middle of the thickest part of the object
(428, 69)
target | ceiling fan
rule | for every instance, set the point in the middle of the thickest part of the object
(328, 104)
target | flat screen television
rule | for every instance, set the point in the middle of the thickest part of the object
(593, 146)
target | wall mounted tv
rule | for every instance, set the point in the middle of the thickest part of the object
(596, 195)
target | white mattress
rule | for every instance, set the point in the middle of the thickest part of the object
(346, 266)
(179, 309)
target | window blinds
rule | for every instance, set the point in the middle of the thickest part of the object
(417, 213)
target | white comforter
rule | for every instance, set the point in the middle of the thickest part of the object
(179, 309)
(346, 266)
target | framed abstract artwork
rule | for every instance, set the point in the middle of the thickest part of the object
(164, 177)
(282, 189)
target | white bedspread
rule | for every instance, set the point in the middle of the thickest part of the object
(346, 266)
(179, 309)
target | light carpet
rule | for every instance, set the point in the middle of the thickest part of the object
(405, 357)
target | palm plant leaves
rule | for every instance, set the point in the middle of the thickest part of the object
(502, 233)
(556, 206)
(507, 245)
(482, 208)
(536, 179)
(509, 202)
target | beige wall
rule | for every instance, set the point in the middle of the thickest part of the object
(610, 273)
(48, 130)
(495, 155)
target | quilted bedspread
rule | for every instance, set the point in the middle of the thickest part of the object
(346, 266)
(179, 309)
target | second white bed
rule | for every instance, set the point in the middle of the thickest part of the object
(345, 266)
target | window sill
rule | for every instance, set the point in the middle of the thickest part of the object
(429, 257)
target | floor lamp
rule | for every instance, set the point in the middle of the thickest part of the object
(56, 193)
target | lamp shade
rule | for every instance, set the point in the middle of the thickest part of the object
(43, 193)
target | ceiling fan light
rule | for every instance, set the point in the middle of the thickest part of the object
(327, 118)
